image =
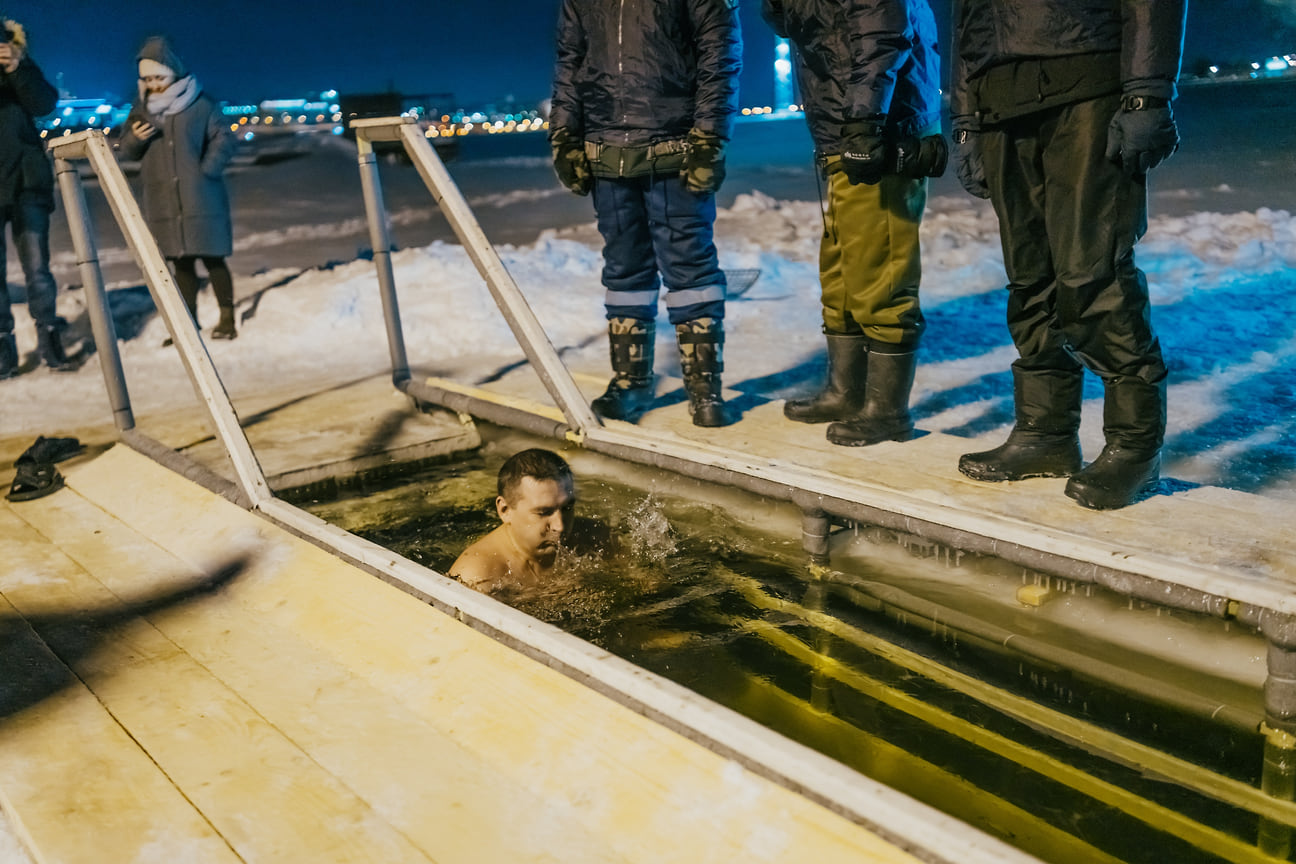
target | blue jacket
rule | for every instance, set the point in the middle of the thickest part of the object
(857, 58)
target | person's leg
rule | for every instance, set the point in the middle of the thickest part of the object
(1047, 378)
(882, 270)
(8, 345)
(223, 287)
(1103, 306)
(186, 279)
(681, 223)
(31, 236)
(630, 277)
(843, 392)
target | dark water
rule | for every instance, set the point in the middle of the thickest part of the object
(833, 659)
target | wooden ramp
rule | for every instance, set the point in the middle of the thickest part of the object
(307, 711)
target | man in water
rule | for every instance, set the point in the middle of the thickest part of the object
(536, 500)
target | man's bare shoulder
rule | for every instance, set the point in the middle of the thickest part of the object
(483, 564)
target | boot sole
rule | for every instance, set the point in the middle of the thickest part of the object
(1081, 497)
(1001, 477)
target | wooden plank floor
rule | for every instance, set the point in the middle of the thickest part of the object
(307, 711)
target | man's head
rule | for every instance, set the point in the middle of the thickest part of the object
(536, 499)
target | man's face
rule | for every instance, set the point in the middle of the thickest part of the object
(539, 516)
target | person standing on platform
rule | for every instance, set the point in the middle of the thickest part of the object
(26, 200)
(869, 74)
(644, 99)
(183, 144)
(1059, 111)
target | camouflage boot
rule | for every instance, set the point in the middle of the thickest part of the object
(631, 390)
(701, 348)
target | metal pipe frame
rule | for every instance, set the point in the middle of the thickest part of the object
(517, 312)
(92, 146)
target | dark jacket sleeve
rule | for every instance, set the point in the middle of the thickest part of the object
(129, 146)
(881, 41)
(37, 96)
(1152, 46)
(961, 39)
(565, 110)
(719, 43)
(220, 144)
(772, 12)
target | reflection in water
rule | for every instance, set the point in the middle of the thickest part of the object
(1069, 767)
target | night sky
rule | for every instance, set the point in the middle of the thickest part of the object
(480, 50)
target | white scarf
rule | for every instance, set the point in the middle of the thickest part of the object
(179, 96)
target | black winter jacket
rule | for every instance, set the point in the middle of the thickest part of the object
(25, 173)
(1141, 40)
(634, 72)
(857, 58)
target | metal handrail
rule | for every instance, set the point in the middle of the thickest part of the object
(92, 146)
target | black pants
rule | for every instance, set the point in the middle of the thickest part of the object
(186, 277)
(1068, 222)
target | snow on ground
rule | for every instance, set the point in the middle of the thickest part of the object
(1223, 286)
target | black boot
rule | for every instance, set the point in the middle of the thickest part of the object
(631, 391)
(1129, 466)
(1045, 440)
(225, 328)
(8, 356)
(885, 415)
(49, 347)
(701, 348)
(843, 395)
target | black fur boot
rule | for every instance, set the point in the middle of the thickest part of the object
(701, 348)
(631, 391)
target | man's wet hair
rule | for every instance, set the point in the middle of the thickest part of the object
(536, 463)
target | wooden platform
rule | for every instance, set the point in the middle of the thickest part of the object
(307, 711)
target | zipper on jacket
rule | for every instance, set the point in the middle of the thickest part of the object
(621, 59)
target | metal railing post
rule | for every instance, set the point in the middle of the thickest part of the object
(92, 145)
(512, 304)
(380, 238)
(101, 323)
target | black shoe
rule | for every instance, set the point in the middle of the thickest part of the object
(8, 356)
(49, 347)
(1117, 478)
(708, 408)
(843, 394)
(34, 480)
(1026, 453)
(626, 403)
(225, 328)
(885, 415)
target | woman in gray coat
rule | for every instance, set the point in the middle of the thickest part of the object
(177, 133)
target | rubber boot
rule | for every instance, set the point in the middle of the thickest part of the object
(631, 391)
(225, 328)
(49, 347)
(1045, 440)
(701, 349)
(843, 394)
(1129, 467)
(885, 415)
(8, 356)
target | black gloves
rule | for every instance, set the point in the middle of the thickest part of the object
(704, 168)
(867, 155)
(967, 160)
(1142, 134)
(920, 157)
(864, 150)
(569, 160)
